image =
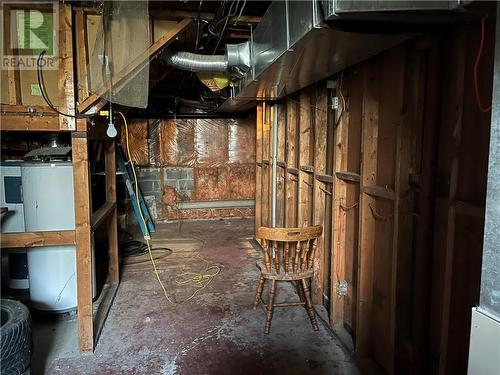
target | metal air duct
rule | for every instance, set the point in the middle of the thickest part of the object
(237, 56)
(293, 47)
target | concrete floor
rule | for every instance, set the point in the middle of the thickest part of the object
(216, 332)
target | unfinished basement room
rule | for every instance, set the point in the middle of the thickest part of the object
(197, 187)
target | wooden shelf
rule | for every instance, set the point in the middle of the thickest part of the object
(37, 239)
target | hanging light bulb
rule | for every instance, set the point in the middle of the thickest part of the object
(111, 132)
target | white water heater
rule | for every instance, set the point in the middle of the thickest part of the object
(49, 206)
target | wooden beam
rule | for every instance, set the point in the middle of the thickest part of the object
(454, 114)
(13, 74)
(258, 171)
(127, 73)
(81, 45)
(31, 123)
(338, 265)
(305, 156)
(379, 192)
(66, 72)
(180, 14)
(369, 142)
(102, 213)
(38, 110)
(322, 256)
(81, 183)
(112, 223)
(291, 159)
(37, 239)
(103, 309)
(348, 176)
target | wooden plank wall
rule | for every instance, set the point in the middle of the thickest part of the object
(397, 177)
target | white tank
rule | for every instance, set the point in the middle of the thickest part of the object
(49, 206)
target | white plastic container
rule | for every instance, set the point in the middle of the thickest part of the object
(49, 206)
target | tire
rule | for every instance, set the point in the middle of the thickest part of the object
(15, 338)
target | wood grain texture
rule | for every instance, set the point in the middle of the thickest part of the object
(37, 239)
(81, 183)
(66, 69)
(112, 224)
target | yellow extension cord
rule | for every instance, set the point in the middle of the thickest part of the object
(200, 281)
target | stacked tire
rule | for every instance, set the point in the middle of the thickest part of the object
(15, 338)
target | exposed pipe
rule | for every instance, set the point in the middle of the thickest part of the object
(193, 62)
(274, 174)
(237, 57)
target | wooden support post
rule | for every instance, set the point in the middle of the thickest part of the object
(340, 209)
(454, 116)
(291, 160)
(281, 198)
(369, 142)
(83, 237)
(345, 209)
(66, 74)
(82, 53)
(305, 158)
(322, 258)
(13, 75)
(266, 167)
(110, 166)
(259, 168)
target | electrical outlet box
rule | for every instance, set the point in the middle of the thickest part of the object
(335, 102)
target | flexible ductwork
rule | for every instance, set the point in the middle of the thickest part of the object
(196, 63)
(237, 58)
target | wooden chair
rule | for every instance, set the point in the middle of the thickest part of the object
(288, 256)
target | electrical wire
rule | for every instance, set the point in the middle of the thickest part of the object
(146, 237)
(199, 280)
(476, 66)
(41, 84)
(343, 100)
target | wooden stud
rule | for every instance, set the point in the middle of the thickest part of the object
(258, 170)
(19, 122)
(83, 237)
(82, 53)
(112, 227)
(322, 256)
(369, 142)
(13, 75)
(37, 239)
(305, 158)
(291, 152)
(66, 75)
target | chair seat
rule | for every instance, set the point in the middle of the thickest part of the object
(282, 275)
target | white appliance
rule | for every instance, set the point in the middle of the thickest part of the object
(49, 206)
(14, 261)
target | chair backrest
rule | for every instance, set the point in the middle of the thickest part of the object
(289, 250)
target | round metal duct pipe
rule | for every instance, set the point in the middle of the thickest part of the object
(196, 63)
(237, 56)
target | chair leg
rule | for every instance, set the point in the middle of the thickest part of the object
(270, 307)
(258, 293)
(309, 306)
(300, 291)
